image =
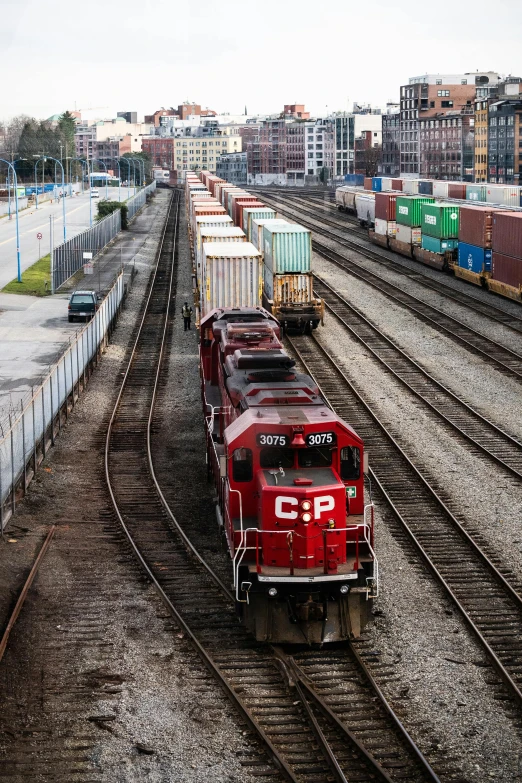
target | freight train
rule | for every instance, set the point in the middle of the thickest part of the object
(445, 226)
(289, 478)
(244, 254)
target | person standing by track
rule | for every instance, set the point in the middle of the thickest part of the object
(186, 312)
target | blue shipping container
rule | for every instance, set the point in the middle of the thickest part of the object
(377, 184)
(474, 258)
(354, 179)
(436, 245)
(425, 187)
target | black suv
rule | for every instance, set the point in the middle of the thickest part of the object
(82, 304)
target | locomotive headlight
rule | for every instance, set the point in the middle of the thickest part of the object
(306, 517)
(272, 592)
(306, 505)
(344, 589)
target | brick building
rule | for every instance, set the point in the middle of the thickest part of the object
(446, 145)
(425, 97)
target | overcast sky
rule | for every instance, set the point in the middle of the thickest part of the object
(139, 55)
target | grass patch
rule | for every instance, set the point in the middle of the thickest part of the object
(36, 281)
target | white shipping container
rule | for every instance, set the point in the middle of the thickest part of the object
(232, 276)
(365, 208)
(295, 289)
(386, 183)
(410, 186)
(508, 195)
(215, 234)
(202, 221)
(440, 188)
(257, 230)
(202, 209)
(411, 236)
(381, 227)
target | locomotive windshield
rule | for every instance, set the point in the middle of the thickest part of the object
(286, 458)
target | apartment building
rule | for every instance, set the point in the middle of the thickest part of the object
(428, 96)
(505, 141)
(232, 167)
(446, 145)
(320, 148)
(189, 153)
(391, 142)
(87, 136)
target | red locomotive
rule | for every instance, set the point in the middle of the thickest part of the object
(290, 486)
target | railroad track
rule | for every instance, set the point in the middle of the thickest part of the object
(503, 357)
(489, 600)
(475, 428)
(303, 738)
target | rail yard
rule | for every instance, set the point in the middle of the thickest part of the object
(284, 544)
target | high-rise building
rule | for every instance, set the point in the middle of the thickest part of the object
(505, 134)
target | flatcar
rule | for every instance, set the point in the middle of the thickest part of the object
(289, 477)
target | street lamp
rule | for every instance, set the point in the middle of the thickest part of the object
(117, 162)
(43, 159)
(48, 157)
(9, 186)
(15, 181)
(80, 160)
(100, 162)
(126, 160)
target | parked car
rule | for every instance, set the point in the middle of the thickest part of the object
(82, 304)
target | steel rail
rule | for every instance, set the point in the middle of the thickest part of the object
(208, 660)
(25, 590)
(509, 591)
(489, 310)
(414, 370)
(205, 657)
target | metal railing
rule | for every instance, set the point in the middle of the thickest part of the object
(68, 257)
(25, 441)
(137, 202)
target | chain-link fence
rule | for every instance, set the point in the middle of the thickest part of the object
(68, 257)
(134, 203)
(31, 432)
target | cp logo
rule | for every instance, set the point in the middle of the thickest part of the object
(287, 508)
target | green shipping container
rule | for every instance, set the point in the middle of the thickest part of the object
(440, 220)
(287, 248)
(435, 245)
(408, 209)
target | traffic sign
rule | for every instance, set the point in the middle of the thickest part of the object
(88, 269)
(87, 256)
(39, 235)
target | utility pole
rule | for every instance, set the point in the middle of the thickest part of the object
(51, 239)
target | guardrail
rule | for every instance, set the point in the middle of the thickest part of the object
(30, 433)
(134, 203)
(68, 257)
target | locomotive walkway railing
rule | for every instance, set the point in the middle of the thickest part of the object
(28, 435)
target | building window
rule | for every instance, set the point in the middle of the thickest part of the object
(463, 81)
(439, 81)
(443, 93)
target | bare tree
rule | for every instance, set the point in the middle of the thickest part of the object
(372, 159)
(10, 133)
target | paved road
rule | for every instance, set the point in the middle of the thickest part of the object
(33, 221)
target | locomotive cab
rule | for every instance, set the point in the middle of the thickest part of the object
(299, 534)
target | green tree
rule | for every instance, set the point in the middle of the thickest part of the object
(108, 207)
(67, 129)
(145, 158)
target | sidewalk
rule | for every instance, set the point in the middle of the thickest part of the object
(34, 331)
